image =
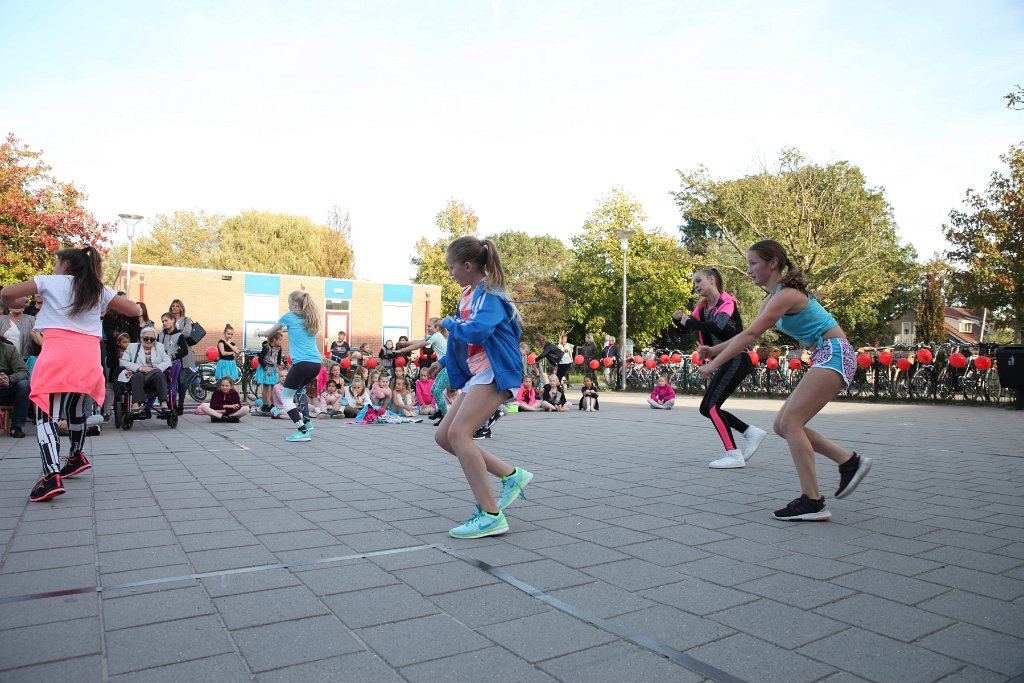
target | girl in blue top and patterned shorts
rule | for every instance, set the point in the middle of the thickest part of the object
(302, 322)
(792, 309)
(483, 360)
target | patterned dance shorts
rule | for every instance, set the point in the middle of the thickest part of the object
(836, 354)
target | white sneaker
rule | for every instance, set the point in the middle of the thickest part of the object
(754, 436)
(730, 460)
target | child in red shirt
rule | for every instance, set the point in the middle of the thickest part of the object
(225, 404)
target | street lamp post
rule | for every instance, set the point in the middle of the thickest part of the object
(130, 221)
(623, 236)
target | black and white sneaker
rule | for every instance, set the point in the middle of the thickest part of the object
(804, 509)
(482, 433)
(851, 473)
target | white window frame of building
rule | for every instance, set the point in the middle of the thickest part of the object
(260, 312)
(908, 328)
(966, 326)
(396, 320)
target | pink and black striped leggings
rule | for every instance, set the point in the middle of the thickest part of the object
(720, 387)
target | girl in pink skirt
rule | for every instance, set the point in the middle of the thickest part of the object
(69, 366)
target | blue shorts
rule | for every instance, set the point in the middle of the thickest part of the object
(836, 354)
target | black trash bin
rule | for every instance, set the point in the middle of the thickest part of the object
(1010, 362)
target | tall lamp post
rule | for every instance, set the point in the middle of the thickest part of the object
(130, 221)
(623, 236)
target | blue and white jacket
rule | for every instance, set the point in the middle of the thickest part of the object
(494, 324)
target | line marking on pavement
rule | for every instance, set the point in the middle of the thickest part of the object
(681, 658)
(206, 575)
(237, 445)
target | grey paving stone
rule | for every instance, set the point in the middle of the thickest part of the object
(744, 550)
(698, 597)
(973, 674)
(420, 640)
(547, 574)
(78, 669)
(375, 606)
(124, 526)
(613, 536)
(544, 636)
(135, 610)
(892, 544)
(216, 540)
(205, 526)
(755, 660)
(48, 559)
(45, 580)
(810, 566)
(723, 570)
(42, 643)
(886, 617)
(673, 627)
(984, 562)
(169, 642)
(979, 610)
(46, 610)
(352, 575)
(471, 667)
(664, 553)
(602, 599)
(1000, 587)
(879, 658)
(778, 623)
(231, 558)
(135, 539)
(488, 604)
(617, 662)
(307, 640)
(890, 586)
(296, 540)
(227, 668)
(364, 667)
(140, 558)
(979, 646)
(796, 590)
(582, 554)
(61, 539)
(633, 574)
(432, 579)
(268, 607)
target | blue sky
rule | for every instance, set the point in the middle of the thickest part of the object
(528, 111)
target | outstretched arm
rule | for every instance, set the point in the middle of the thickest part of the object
(770, 313)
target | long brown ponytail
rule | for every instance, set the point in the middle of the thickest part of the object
(792, 276)
(86, 269)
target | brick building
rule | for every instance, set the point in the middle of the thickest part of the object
(366, 311)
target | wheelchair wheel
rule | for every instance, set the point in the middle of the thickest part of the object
(127, 423)
(172, 421)
(118, 414)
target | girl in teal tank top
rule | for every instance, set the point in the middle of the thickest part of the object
(795, 311)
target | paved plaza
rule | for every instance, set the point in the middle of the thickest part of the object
(221, 553)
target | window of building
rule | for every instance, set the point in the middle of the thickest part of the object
(966, 326)
(908, 328)
(396, 321)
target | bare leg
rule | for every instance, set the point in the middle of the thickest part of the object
(207, 410)
(455, 435)
(816, 389)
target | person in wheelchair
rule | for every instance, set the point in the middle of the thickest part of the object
(147, 362)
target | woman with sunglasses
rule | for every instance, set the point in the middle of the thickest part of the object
(147, 361)
(716, 319)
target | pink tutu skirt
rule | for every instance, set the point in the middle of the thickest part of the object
(68, 363)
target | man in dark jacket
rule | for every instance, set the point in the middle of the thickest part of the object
(550, 352)
(14, 387)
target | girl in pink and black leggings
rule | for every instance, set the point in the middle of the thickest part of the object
(716, 319)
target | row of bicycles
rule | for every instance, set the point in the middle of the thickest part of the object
(943, 372)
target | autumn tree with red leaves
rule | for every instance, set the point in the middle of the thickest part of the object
(39, 214)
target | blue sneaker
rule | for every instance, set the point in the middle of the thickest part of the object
(308, 424)
(299, 435)
(512, 487)
(480, 524)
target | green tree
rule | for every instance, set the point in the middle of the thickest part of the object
(658, 271)
(931, 310)
(457, 219)
(39, 214)
(987, 245)
(835, 227)
(1015, 98)
(532, 267)
(190, 239)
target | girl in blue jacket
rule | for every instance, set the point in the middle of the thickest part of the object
(483, 360)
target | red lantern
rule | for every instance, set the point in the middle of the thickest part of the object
(754, 358)
(638, 359)
(676, 358)
(371, 363)
(695, 359)
(594, 365)
(795, 364)
(664, 359)
(983, 363)
(957, 360)
(607, 362)
(924, 356)
(650, 363)
(211, 354)
(579, 360)
(864, 360)
(772, 362)
(399, 361)
(903, 364)
(531, 359)
(255, 363)
(346, 363)
(885, 358)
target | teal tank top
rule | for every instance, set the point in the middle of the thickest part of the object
(808, 325)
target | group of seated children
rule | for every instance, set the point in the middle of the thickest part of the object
(551, 397)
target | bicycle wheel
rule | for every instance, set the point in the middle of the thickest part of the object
(921, 384)
(901, 385)
(773, 382)
(945, 385)
(250, 389)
